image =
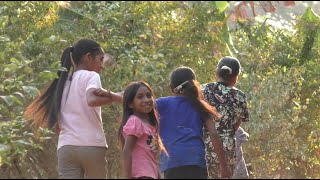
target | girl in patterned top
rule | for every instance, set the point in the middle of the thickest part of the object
(231, 104)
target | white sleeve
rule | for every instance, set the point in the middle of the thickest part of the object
(94, 81)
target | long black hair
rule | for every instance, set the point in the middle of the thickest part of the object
(128, 97)
(45, 109)
(183, 81)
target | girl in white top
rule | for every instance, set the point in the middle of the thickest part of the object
(72, 105)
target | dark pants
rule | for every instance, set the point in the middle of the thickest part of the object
(186, 172)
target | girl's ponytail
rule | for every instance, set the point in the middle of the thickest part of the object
(183, 81)
(45, 109)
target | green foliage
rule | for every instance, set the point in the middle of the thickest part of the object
(148, 40)
(16, 139)
(21, 66)
(280, 71)
(309, 28)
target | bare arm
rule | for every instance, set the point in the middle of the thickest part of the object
(96, 100)
(116, 96)
(126, 156)
(218, 148)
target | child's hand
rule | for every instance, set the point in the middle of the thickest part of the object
(102, 92)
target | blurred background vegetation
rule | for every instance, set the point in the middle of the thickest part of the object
(148, 40)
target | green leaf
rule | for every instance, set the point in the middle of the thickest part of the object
(6, 69)
(19, 94)
(3, 148)
(20, 141)
(46, 74)
(284, 69)
(12, 67)
(3, 21)
(62, 69)
(55, 64)
(45, 138)
(4, 39)
(8, 100)
(33, 91)
(221, 5)
(15, 61)
(310, 15)
(16, 100)
(28, 70)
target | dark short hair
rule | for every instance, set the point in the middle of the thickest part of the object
(228, 67)
(180, 75)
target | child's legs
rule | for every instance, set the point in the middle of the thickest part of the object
(93, 161)
(68, 164)
(186, 172)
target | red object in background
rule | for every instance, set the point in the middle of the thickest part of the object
(289, 3)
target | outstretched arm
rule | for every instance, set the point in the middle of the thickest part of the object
(218, 148)
(126, 156)
(116, 96)
(100, 96)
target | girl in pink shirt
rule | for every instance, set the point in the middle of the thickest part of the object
(138, 133)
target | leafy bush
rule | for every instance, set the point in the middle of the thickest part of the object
(148, 40)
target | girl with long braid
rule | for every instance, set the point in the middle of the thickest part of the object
(72, 104)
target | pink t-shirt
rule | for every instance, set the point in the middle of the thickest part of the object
(80, 124)
(144, 155)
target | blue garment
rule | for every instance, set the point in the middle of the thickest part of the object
(181, 133)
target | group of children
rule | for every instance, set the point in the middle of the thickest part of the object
(190, 134)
